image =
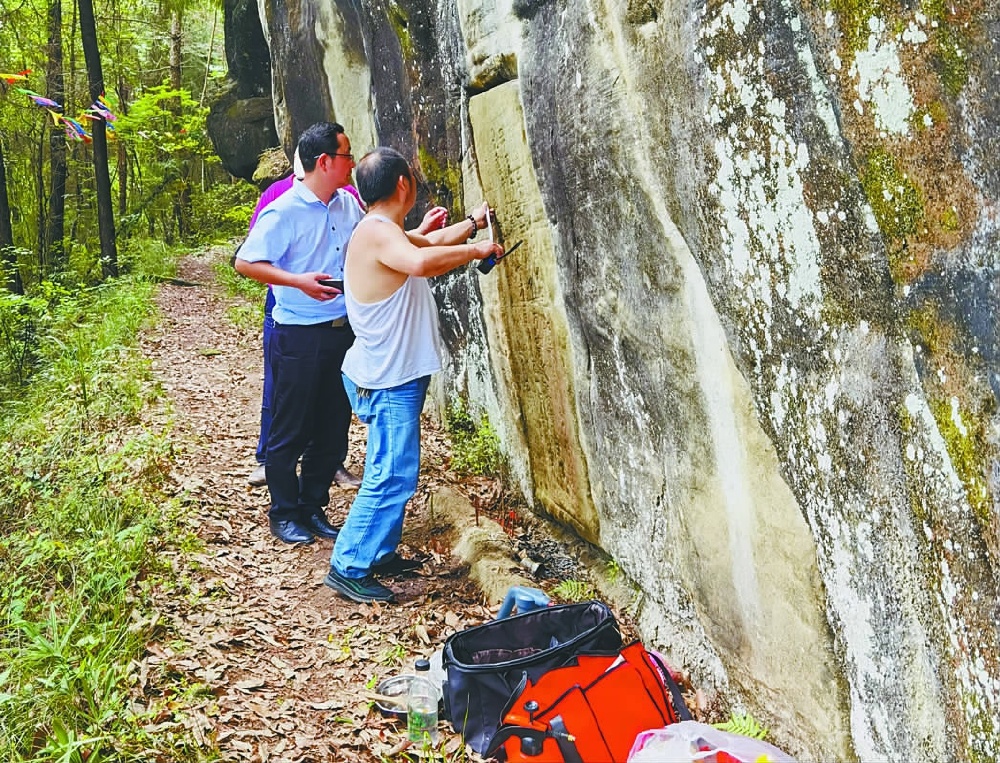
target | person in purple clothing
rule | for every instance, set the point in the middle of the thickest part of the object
(258, 477)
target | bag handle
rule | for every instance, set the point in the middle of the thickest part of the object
(680, 707)
(514, 695)
(506, 732)
(565, 740)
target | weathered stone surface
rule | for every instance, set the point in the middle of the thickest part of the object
(241, 129)
(247, 54)
(525, 315)
(750, 345)
(241, 115)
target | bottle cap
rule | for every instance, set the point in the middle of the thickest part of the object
(422, 665)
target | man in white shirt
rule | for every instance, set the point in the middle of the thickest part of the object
(387, 370)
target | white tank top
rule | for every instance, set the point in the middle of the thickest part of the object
(397, 339)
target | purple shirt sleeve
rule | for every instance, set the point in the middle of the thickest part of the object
(272, 192)
(354, 192)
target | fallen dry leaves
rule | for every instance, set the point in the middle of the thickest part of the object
(257, 657)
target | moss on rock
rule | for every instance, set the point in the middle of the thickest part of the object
(400, 23)
(445, 181)
(896, 203)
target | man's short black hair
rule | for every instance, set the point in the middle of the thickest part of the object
(320, 138)
(378, 172)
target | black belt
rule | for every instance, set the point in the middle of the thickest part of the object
(336, 323)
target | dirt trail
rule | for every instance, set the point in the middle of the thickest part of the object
(277, 661)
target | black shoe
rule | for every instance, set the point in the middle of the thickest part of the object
(317, 523)
(394, 564)
(290, 531)
(345, 480)
(362, 590)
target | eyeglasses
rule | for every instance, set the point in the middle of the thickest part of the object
(346, 156)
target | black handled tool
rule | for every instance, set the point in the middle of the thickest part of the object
(486, 265)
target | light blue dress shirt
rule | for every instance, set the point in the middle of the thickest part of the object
(298, 233)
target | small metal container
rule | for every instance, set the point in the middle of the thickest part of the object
(394, 686)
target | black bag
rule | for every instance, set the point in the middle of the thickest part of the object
(487, 664)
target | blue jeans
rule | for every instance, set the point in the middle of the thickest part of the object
(374, 524)
(265, 397)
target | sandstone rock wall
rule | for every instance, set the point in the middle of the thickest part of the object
(750, 345)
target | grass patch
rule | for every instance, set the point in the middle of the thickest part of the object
(82, 519)
(475, 446)
(240, 286)
(248, 313)
(245, 317)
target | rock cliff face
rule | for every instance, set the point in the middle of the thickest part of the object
(750, 345)
(241, 119)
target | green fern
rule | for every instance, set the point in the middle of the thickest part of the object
(613, 570)
(743, 724)
(574, 590)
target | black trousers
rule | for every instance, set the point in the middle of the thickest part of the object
(310, 416)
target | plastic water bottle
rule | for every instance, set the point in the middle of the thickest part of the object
(422, 706)
(437, 671)
(524, 599)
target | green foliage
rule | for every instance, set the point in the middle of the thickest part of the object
(161, 160)
(21, 319)
(165, 128)
(743, 724)
(239, 286)
(475, 447)
(149, 257)
(81, 521)
(167, 122)
(574, 591)
(392, 656)
(223, 211)
(245, 317)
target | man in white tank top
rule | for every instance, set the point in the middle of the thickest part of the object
(387, 370)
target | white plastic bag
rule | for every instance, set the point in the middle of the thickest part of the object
(692, 742)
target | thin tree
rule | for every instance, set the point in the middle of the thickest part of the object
(124, 92)
(182, 202)
(7, 250)
(105, 210)
(55, 230)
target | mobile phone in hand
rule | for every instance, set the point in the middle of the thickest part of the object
(335, 283)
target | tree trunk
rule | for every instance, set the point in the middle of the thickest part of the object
(38, 169)
(123, 168)
(7, 251)
(55, 230)
(105, 209)
(182, 202)
(175, 50)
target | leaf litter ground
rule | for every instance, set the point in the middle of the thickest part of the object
(261, 660)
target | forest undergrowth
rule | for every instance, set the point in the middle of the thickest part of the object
(82, 519)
